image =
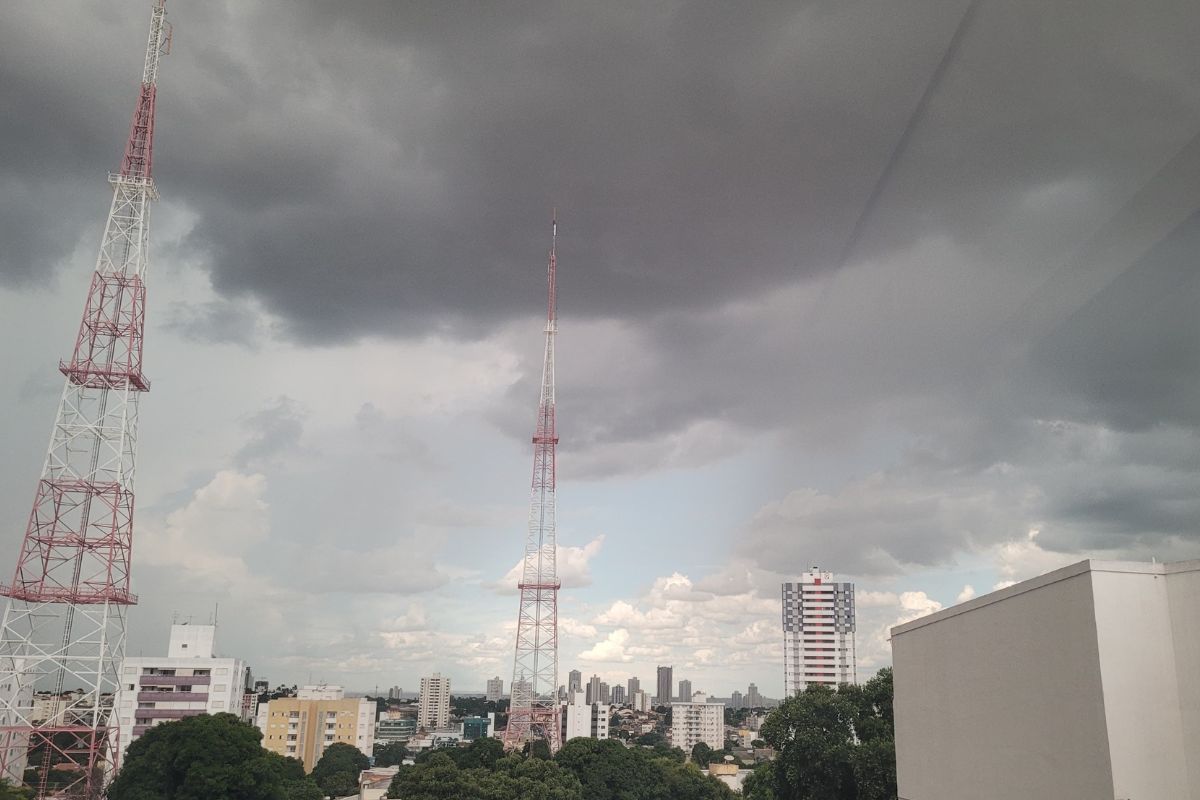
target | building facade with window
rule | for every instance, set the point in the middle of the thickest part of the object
(665, 682)
(303, 726)
(818, 632)
(697, 721)
(433, 707)
(190, 680)
(584, 719)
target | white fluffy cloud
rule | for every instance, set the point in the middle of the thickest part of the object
(574, 570)
(611, 648)
(206, 540)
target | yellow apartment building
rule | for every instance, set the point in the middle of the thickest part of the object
(303, 726)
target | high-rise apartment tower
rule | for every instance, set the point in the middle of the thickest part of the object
(433, 707)
(665, 682)
(818, 632)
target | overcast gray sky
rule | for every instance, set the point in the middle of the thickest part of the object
(999, 374)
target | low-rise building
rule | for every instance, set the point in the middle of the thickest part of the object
(477, 727)
(395, 728)
(373, 783)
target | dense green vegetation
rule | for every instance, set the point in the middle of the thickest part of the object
(831, 745)
(10, 792)
(337, 770)
(584, 769)
(215, 757)
(390, 754)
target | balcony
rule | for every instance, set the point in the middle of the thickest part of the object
(172, 697)
(174, 680)
(167, 713)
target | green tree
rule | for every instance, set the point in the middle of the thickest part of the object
(390, 754)
(702, 754)
(814, 734)
(610, 771)
(338, 768)
(292, 780)
(516, 778)
(339, 784)
(434, 778)
(483, 752)
(10, 792)
(831, 745)
(198, 758)
(509, 778)
(651, 739)
(538, 748)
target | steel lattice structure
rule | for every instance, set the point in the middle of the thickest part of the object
(64, 623)
(534, 711)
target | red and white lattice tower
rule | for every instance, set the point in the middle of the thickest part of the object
(63, 630)
(533, 710)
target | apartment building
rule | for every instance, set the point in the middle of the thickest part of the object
(697, 721)
(584, 719)
(303, 726)
(433, 707)
(818, 632)
(190, 680)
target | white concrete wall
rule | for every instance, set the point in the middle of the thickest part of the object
(191, 641)
(1000, 698)
(1183, 593)
(1141, 693)
(1078, 684)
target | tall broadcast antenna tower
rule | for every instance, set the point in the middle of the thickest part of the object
(533, 710)
(63, 630)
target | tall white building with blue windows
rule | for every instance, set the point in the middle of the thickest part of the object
(818, 632)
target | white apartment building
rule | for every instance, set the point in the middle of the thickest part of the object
(433, 707)
(584, 719)
(187, 682)
(495, 689)
(818, 632)
(1080, 683)
(697, 721)
(641, 701)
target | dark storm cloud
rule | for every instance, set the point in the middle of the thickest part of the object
(386, 168)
